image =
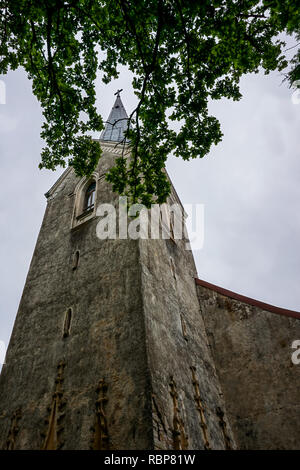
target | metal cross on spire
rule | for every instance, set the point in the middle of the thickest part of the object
(118, 92)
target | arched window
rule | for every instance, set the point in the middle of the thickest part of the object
(89, 200)
(85, 201)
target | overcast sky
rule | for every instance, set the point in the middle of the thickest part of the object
(249, 185)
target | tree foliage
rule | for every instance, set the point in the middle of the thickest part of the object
(182, 54)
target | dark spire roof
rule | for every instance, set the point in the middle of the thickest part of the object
(116, 124)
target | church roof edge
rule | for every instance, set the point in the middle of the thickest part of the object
(248, 300)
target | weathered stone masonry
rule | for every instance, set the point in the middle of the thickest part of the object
(115, 347)
(113, 315)
(251, 345)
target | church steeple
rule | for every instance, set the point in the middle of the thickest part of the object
(116, 124)
(112, 357)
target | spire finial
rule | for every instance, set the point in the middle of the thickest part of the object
(118, 92)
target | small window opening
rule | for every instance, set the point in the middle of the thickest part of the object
(67, 323)
(172, 236)
(183, 328)
(173, 268)
(75, 260)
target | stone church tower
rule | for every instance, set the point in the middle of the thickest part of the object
(117, 344)
(109, 349)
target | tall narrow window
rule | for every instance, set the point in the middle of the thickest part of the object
(172, 226)
(90, 197)
(173, 268)
(67, 323)
(183, 327)
(75, 260)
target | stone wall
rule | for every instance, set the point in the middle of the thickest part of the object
(252, 352)
(108, 350)
(106, 340)
(187, 397)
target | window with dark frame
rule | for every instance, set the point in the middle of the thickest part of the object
(89, 200)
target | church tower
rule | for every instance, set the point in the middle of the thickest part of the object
(109, 349)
